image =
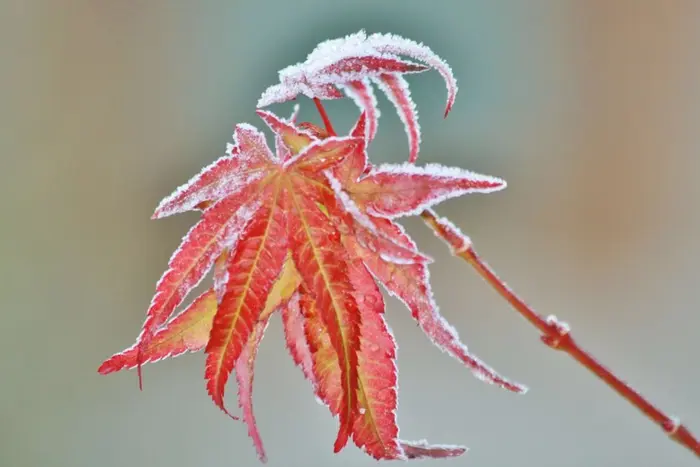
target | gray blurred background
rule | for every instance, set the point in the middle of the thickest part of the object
(590, 110)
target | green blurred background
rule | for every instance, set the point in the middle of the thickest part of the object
(590, 110)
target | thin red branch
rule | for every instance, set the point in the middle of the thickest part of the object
(324, 117)
(556, 334)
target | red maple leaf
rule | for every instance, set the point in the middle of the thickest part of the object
(310, 230)
(350, 64)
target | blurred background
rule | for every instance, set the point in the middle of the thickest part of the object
(589, 109)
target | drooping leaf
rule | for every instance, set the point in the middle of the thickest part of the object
(321, 260)
(349, 62)
(393, 44)
(255, 263)
(245, 366)
(374, 429)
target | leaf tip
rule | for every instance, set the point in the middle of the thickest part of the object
(107, 367)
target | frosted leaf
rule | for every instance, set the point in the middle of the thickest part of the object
(338, 46)
(224, 177)
(348, 62)
(355, 68)
(396, 89)
(392, 190)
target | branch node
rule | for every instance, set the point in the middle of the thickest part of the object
(671, 425)
(557, 333)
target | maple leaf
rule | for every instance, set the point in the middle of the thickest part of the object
(310, 230)
(352, 63)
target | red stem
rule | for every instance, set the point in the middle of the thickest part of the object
(324, 117)
(556, 335)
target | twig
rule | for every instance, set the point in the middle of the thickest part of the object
(556, 334)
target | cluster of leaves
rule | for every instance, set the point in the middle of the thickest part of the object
(308, 232)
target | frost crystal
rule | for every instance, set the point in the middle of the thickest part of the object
(562, 327)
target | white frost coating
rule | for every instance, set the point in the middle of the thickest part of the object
(394, 259)
(333, 74)
(676, 424)
(229, 174)
(396, 89)
(437, 170)
(561, 326)
(277, 93)
(365, 99)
